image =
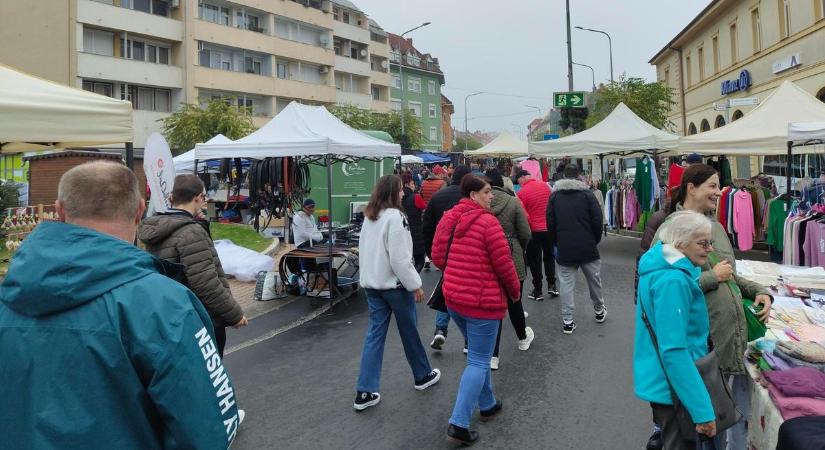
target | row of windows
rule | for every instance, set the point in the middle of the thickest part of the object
(415, 108)
(142, 98)
(414, 85)
(102, 43)
(412, 59)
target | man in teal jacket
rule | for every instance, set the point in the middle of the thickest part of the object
(100, 348)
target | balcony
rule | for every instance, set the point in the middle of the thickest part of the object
(381, 78)
(116, 18)
(354, 98)
(299, 51)
(382, 50)
(353, 66)
(382, 107)
(225, 80)
(321, 93)
(137, 72)
(352, 32)
(296, 11)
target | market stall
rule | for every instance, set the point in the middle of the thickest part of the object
(185, 162)
(505, 145)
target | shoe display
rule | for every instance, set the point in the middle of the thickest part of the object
(536, 295)
(431, 379)
(461, 435)
(438, 341)
(655, 441)
(489, 414)
(568, 328)
(524, 344)
(601, 315)
(364, 400)
(494, 363)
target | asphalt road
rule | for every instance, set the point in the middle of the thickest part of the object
(566, 392)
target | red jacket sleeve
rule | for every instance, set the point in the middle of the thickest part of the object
(440, 240)
(502, 259)
(419, 202)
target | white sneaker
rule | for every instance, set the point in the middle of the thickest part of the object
(526, 315)
(241, 415)
(524, 344)
(494, 363)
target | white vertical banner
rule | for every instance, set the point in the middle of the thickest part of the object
(160, 171)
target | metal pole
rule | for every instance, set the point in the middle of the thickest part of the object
(130, 155)
(592, 73)
(788, 167)
(401, 76)
(329, 227)
(609, 43)
(569, 51)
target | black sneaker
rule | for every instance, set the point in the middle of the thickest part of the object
(553, 292)
(601, 315)
(427, 265)
(431, 379)
(568, 328)
(536, 295)
(364, 400)
(438, 340)
(489, 414)
(655, 441)
(461, 435)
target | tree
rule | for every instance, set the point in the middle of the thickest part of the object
(192, 124)
(574, 118)
(365, 119)
(472, 143)
(650, 101)
(9, 195)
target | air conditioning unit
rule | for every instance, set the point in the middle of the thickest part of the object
(323, 69)
(175, 4)
(364, 53)
(385, 64)
(323, 38)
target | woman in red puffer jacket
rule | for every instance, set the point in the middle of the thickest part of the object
(479, 275)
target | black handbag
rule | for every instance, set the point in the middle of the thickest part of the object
(708, 366)
(437, 300)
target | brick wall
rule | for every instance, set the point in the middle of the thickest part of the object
(45, 173)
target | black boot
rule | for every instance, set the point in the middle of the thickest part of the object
(655, 441)
(461, 436)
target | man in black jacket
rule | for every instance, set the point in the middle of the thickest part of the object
(441, 202)
(574, 222)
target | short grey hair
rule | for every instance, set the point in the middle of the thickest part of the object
(99, 190)
(683, 226)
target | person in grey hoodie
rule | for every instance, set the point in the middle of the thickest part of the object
(513, 219)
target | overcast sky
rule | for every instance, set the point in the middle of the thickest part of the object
(518, 47)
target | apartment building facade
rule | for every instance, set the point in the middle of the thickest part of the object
(447, 111)
(416, 85)
(738, 49)
(258, 54)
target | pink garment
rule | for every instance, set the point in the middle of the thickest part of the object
(632, 209)
(815, 244)
(532, 166)
(743, 222)
(792, 407)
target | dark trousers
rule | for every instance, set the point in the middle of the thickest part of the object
(665, 416)
(220, 337)
(540, 249)
(516, 313)
(418, 261)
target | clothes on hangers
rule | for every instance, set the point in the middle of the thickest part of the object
(743, 219)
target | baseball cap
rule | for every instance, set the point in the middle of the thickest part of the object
(309, 202)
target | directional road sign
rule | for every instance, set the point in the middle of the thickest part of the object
(747, 101)
(568, 100)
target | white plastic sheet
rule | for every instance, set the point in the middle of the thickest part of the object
(242, 263)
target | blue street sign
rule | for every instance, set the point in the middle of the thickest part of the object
(548, 137)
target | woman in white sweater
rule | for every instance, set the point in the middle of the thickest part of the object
(393, 286)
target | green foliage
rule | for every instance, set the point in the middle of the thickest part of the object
(650, 101)
(9, 196)
(241, 235)
(192, 124)
(574, 118)
(364, 119)
(472, 143)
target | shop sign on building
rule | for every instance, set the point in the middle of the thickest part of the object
(740, 84)
(787, 62)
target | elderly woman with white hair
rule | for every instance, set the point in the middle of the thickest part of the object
(672, 302)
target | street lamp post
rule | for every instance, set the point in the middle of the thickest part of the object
(401, 76)
(466, 133)
(610, 44)
(593, 73)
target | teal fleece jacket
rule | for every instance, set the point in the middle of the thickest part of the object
(101, 349)
(675, 307)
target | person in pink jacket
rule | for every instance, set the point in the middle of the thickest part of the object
(478, 251)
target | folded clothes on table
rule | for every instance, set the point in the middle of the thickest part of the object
(812, 352)
(775, 362)
(792, 407)
(798, 382)
(796, 362)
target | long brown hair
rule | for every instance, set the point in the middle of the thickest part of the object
(695, 175)
(385, 195)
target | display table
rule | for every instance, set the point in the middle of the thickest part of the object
(765, 418)
(315, 260)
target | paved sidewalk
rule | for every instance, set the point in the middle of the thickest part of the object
(244, 294)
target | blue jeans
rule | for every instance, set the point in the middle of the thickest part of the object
(476, 388)
(382, 303)
(442, 321)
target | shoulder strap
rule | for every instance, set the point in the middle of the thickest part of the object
(656, 346)
(449, 244)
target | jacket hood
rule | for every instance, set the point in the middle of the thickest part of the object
(570, 184)
(61, 266)
(667, 257)
(501, 198)
(467, 212)
(156, 229)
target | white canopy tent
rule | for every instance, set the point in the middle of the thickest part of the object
(185, 163)
(763, 131)
(505, 144)
(411, 159)
(622, 132)
(301, 130)
(36, 114)
(806, 131)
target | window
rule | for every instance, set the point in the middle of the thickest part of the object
(733, 44)
(414, 85)
(141, 5)
(433, 134)
(413, 59)
(210, 13)
(147, 99)
(252, 65)
(431, 87)
(784, 18)
(720, 121)
(138, 52)
(345, 17)
(433, 111)
(144, 51)
(375, 37)
(705, 126)
(311, 73)
(283, 70)
(353, 52)
(151, 53)
(163, 55)
(700, 61)
(819, 9)
(376, 93)
(667, 77)
(395, 56)
(247, 21)
(715, 42)
(299, 32)
(738, 114)
(396, 81)
(97, 87)
(336, 14)
(415, 108)
(157, 7)
(756, 26)
(160, 7)
(692, 129)
(688, 71)
(395, 104)
(98, 42)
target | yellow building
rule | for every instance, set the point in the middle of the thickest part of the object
(160, 53)
(743, 49)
